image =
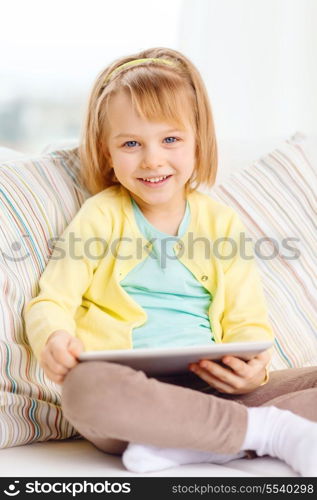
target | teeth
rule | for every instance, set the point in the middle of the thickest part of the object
(155, 179)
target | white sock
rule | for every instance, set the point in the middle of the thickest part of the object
(282, 434)
(146, 458)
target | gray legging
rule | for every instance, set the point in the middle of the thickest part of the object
(111, 405)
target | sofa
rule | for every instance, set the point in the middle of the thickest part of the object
(271, 183)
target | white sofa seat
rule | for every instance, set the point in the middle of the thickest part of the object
(79, 458)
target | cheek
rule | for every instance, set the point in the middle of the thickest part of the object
(123, 163)
(187, 158)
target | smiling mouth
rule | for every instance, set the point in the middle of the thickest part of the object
(154, 180)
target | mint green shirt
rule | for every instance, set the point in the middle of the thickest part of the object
(175, 302)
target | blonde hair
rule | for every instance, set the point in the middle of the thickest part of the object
(159, 91)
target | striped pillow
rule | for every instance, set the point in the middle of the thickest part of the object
(38, 199)
(276, 199)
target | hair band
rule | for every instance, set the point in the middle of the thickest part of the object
(135, 62)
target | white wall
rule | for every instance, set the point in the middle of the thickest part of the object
(51, 53)
(47, 48)
(257, 57)
(259, 61)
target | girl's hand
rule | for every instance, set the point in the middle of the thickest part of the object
(60, 355)
(240, 377)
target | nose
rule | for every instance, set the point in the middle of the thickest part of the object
(152, 157)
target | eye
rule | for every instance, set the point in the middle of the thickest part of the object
(174, 139)
(129, 143)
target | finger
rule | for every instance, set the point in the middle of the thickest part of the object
(211, 371)
(213, 381)
(61, 355)
(75, 347)
(259, 370)
(248, 371)
(54, 366)
(239, 366)
(251, 373)
(58, 379)
(220, 372)
(256, 364)
(263, 358)
(265, 355)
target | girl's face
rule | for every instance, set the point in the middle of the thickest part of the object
(141, 150)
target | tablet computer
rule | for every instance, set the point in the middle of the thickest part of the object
(174, 360)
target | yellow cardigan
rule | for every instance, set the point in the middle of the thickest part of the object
(80, 288)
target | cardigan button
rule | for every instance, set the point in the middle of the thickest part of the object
(179, 245)
(204, 277)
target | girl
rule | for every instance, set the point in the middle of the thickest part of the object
(149, 261)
